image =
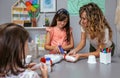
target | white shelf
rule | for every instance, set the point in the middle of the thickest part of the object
(36, 28)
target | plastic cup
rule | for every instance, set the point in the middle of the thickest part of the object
(91, 59)
(33, 50)
(28, 58)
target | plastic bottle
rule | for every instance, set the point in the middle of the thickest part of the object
(28, 59)
(69, 58)
(61, 49)
(55, 58)
(48, 63)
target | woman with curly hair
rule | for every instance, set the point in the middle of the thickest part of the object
(94, 27)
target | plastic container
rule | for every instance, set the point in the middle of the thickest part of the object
(69, 58)
(91, 59)
(28, 59)
(105, 58)
(61, 49)
(55, 58)
(48, 63)
(105, 55)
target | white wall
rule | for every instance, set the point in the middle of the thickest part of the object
(5, 16)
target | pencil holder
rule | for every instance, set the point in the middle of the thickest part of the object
(105, 56)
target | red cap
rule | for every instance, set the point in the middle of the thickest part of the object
(43, 59)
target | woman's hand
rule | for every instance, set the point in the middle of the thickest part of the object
(44, 71)
(72, 52)
(77, 56)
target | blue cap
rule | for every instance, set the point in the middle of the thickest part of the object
(48, 58)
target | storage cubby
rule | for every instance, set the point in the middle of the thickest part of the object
(19, 14)
(38, 35)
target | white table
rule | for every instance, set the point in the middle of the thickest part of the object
(81, 69)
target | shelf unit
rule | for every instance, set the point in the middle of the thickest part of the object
(38, 35)
(19, 14)
(35, 28)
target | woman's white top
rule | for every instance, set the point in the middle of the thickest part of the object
(94, 41)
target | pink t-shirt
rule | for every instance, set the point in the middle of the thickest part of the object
(57, 36)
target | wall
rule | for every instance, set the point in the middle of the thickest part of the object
(5, 16)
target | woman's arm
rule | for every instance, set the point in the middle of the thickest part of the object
(80, 45)
(85, 55)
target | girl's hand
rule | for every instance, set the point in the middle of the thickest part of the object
(31, 65)
(44, 71)
(56, 49)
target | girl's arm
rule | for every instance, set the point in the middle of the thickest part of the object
(47, 43)
(44, 71)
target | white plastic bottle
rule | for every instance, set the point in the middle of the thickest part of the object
(28, 59)
(69, 58)
(55, 58)
(48, 63)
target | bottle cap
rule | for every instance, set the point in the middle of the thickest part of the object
(43, 60)
(48, 59)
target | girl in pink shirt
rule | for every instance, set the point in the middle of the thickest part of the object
(59, 33)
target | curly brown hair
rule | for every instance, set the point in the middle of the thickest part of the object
(96, 22)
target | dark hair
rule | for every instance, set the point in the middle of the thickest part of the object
(61, 15)
(97, 21)
(12, 48)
